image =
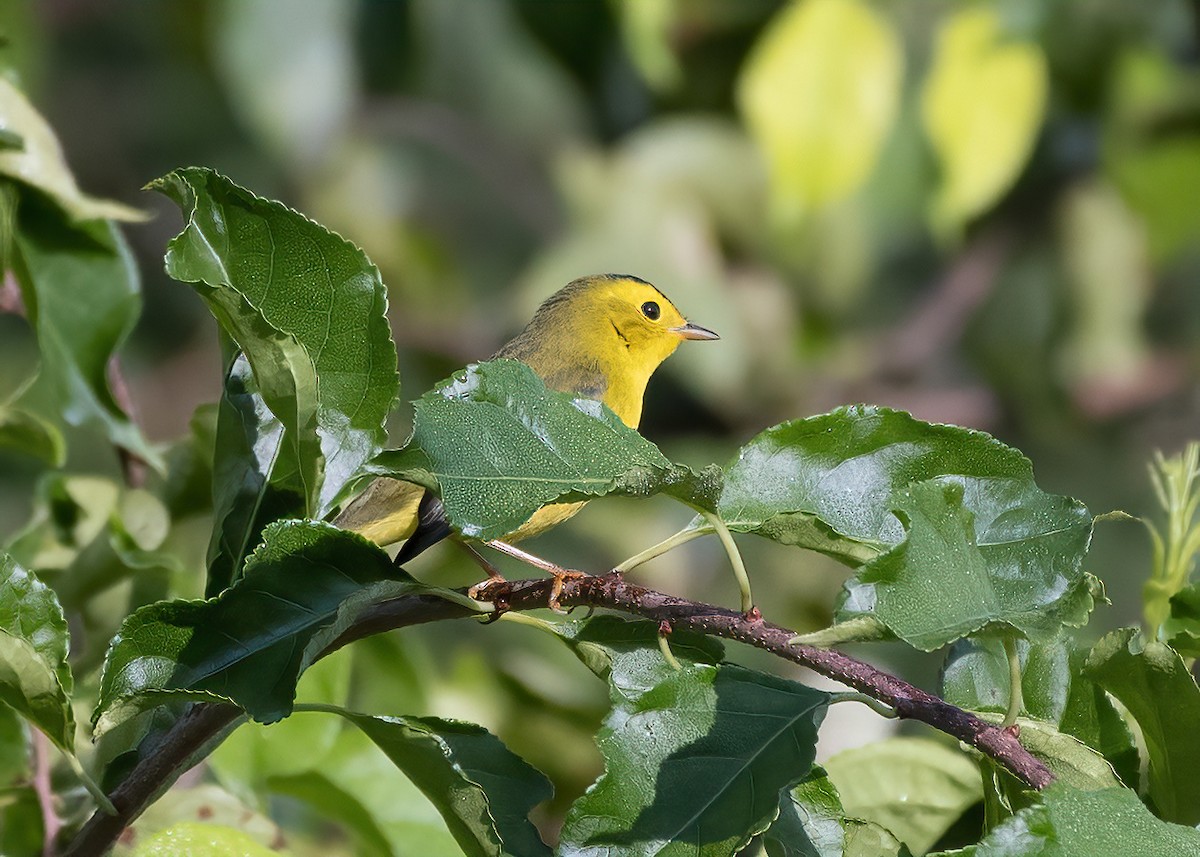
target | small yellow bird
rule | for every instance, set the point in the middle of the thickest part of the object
(599, 337)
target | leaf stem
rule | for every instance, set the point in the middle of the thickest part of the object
(1015, 695)
(93, 787)
(882, 709)
(682, 537)
(735, 559)
(664, 646)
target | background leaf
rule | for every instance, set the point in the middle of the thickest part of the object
(34, 676)
(982, 106)
(542, 446)
(83, 296)
(696, 764)
(914, 788)
(38, 161)
(819, 93)
(1154, 685)
(26, 432)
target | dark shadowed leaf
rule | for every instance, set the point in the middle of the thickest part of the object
(1182, 629)
(29, 434)
(811, 820)
(695, 765)
(1154, 684)
(248, 646)
(498, 445)
(34, 676)
(482, 789)
(302, 303)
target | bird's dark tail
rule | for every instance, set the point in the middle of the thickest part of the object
(432, 527)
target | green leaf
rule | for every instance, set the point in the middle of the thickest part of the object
(1182, 629)
(819, 93)
(955, 533)
(1155, 686)
(1054, 689)
(34, 676)
(695, 765)
(248, 646)
(26, 432)
(1069, 759)
(482, 789)
(982, 104)
(82, 293)
(1073, 823)
(333, 802)
(1015, 562)
(542, 446)
(38, 161)
(915, 788)
(302, 303)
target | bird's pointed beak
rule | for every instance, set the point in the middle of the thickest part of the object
(693, 331)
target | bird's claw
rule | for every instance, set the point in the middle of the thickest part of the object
(560, 577)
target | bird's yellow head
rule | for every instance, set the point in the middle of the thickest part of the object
(602, 337)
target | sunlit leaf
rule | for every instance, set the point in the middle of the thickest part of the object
(302, 587)
(1068, 822)
(913, 787)
(202, 839)
(819, 92)
(302, 303)
(1155, 686)
(498, 445)
(34, 676)
(38, 161)
(646, 27)
(696, 764)
(982, 103)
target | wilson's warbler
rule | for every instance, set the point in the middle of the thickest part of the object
(599, 337)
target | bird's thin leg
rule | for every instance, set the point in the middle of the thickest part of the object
(557, 572)
(493, 573)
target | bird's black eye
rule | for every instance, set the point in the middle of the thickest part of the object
(650, 310)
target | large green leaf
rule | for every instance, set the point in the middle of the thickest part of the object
(1014, 563)
(695, 765)
(955, 533)
(82, 293)
(498, 445)
(1072, 823)
(482, 789)
(302, 587)
(820, 92)
(1155, 686)
(34, 676)
(1054, 689)
(37, 160)
(302, 303)
(915, 788)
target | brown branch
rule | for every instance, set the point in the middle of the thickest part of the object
(51, 823)
(133, 468)
(203, 722)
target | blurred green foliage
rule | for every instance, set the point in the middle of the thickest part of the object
(981, 213)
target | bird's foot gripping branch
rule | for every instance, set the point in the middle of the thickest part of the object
(949, 542)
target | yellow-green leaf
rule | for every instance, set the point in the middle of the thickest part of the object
(819, 93)
(982, 106)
